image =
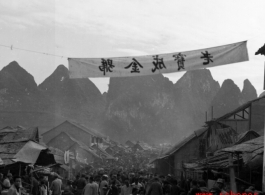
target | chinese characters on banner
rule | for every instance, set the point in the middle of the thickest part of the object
(155, 64)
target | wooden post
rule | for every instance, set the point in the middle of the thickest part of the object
(238, 165)
(264, 78)
(19, 170)
(232, 174)
(250, 174)
(263, 168)
(69, 170)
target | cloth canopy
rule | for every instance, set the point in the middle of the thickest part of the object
(29, 153)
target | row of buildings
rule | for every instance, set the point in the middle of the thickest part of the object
(68, 147)
(205, 152)
(65, 143)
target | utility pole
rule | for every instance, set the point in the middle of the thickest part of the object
(232, 173)
(261, 51)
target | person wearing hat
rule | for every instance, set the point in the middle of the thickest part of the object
(103, 185)
(203, 187)
(194, 188)
(250, 189)
(126, 189)
(15, 189)
(80, 184)
(6, 182)
(155, 188)
(91, 188)
(215, 191)
(220, 183)
(56, 186)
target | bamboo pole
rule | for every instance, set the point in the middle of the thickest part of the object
(232, 174)
(263, 170)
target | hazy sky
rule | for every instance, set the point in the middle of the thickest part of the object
(116, 28)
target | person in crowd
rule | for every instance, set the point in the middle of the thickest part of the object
(1, 181)
(15, 189)
(114, 190)
(43, 188)
(202, 185)
(45, 180)
(194, 188)
(155, 188)
(80, 184)
(7, 181)
(103, 185)
(175, 188)
(1, 177)
(220, 183)
(56, 186)
(148, 185)
(134, 191)
(142, 188)
(131, 178)
(141, 181)
(215, 191)
(87, 179)
(187, 185)
(91, 188)
(77, 177)
(126, 189)
(137, 184)
(34, 185)
(166, 187)
(68, 190)
(251, 190)
(114, 178)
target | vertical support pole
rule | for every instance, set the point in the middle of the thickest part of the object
(69, 171)
(236, 127)
(19, 170)
(263, 168)
(206, 117)
(250, 174)
(232, 174)
(264, 78)
(212, 112)
(238, 165)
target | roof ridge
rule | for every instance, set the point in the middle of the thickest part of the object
(80, 143)
(88, 130)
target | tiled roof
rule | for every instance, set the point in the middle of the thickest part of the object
(12, 139)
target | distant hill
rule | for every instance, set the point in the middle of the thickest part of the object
(140, 108)
(193, 94)
(229, 97)
(147, 108)
(57, 99)
(78, 99)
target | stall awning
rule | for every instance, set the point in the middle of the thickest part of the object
(252, 146)
(29, 153)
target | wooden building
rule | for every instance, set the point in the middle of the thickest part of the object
(75, 130)
(83, 154)
(236, 127)
(224, 131)
(12, 139)
(130, 143)
(187, 150)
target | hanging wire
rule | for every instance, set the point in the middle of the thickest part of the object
(32, 51)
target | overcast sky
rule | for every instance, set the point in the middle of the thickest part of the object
(117, 28)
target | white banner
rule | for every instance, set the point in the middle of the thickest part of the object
(155, 64)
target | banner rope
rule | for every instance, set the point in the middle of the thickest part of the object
(32, 51)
